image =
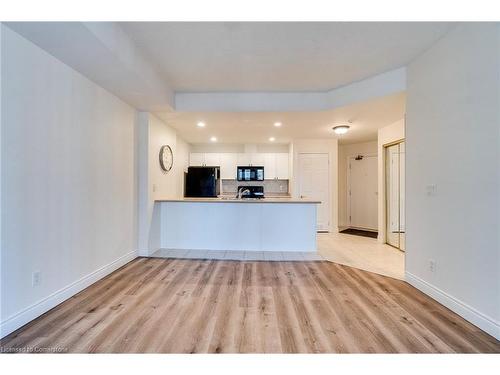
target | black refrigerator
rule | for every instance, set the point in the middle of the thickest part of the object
(202, 182)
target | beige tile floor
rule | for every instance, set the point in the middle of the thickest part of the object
(238, 255)
(363, 253)
(355, 251)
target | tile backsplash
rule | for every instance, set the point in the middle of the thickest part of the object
(271, 187)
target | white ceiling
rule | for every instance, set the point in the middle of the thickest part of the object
(257, 127)
(278, 56)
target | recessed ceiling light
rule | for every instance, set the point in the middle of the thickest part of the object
(200, 124)
(213, 139)
(341, 129)
(272, 139)
(277, 124)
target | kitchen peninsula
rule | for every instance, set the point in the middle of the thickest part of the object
(269, 224)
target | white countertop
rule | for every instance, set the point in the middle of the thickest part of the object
(234, 200)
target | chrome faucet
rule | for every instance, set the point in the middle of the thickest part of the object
(241, 191)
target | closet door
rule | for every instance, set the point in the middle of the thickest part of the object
(395, 195)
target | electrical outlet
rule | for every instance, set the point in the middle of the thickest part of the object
(432, 265)
(36, 278)
(154, 188)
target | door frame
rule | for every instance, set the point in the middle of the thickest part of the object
(348, 188)
(384, 179)
(329, 179)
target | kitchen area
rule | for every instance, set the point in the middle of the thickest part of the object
(237, 205)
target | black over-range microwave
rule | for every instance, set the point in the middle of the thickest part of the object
(250, 174)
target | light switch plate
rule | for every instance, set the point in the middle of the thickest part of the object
(36, 278)
(431, 189)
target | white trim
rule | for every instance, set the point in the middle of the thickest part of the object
(329, 179)
(31, 312)
(380, 85)
(486, 323)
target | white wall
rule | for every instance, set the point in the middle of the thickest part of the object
(105, 53)
(329, 146)
(167, 184)
(388, 134)
(68, 181)
(346, 152)
(154, 183)
(453, 141)
(1, 131)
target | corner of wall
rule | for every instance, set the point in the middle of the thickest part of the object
(142, 162)
(391, 133)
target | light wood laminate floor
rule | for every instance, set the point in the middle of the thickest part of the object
(218, 306)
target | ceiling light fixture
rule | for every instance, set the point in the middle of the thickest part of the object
(277, 124)
(272, 139)
(341, 129)
(213, 139)
(200, 124)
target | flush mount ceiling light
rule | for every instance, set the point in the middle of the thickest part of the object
(272, 139)
(213, 139)
(277, 124)
(341, 129)
(200, 124)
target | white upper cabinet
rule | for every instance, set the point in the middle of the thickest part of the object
(282, 166)
(228, 166)
(244, 159)
(212, 159)
(200, 159)
(275, 164)
(257, 160)
(196, 159)
(254, 159)
(269, 166)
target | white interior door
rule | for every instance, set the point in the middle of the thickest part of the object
(314, 183)
(362, 193)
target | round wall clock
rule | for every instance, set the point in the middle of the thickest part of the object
(166, 158)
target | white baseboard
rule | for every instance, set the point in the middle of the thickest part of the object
(467, 312)
(31, 312)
